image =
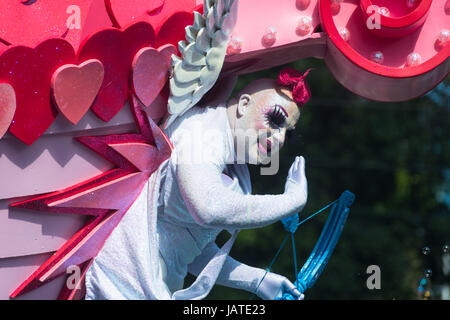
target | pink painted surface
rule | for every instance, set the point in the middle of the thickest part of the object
(13, 271)
(121, 122)
(52, 163)
(254, 19)
(56, 161)
(314, 46)
(28, 232)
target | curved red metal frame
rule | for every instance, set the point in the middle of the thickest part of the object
(326, 18)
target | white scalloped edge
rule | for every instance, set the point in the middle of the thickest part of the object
(203, 54)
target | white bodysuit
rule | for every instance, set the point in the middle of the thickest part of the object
(171, 227)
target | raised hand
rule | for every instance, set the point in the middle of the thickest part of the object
(296, 182)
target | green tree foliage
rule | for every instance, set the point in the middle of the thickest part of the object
(395, 157)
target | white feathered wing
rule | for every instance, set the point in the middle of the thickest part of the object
(203, 54)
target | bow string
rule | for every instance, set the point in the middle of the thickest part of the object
(324, 247)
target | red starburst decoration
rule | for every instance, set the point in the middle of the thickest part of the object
(105, 198)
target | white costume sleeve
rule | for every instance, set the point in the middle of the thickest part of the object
(234, 274)
(213, 205)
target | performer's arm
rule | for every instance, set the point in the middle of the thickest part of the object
(212, 204)
(240, 276)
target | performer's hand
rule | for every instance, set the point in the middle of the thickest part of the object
(296, 182)
(274, 286)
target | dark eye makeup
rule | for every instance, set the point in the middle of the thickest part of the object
(276, 116)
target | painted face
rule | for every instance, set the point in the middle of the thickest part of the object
(264, 118)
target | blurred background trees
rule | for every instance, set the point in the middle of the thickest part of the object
(396, 158)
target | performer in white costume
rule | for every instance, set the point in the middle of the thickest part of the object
(203, 189)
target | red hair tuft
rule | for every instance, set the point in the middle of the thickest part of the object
(295, 81)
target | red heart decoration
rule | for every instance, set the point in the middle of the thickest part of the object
(29, 71)
(95, 20)
(158, 108)
(169, 9)
(123, 13)
(151, 72)
(116, 50)
(30, 22)
(168, 50)
(153, 11)
(3, 46)
(75, 87)
(7, 107)
(173, 29)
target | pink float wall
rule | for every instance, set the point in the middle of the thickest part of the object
(55, 161)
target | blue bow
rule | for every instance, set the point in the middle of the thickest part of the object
(324, 248)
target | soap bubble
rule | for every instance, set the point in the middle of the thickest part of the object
(426, 250)
(446, 248)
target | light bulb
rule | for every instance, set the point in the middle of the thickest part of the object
(304, 26)
(270, 37)
(377, 57)
(234, 46)
(413, 59)
(345, 34)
